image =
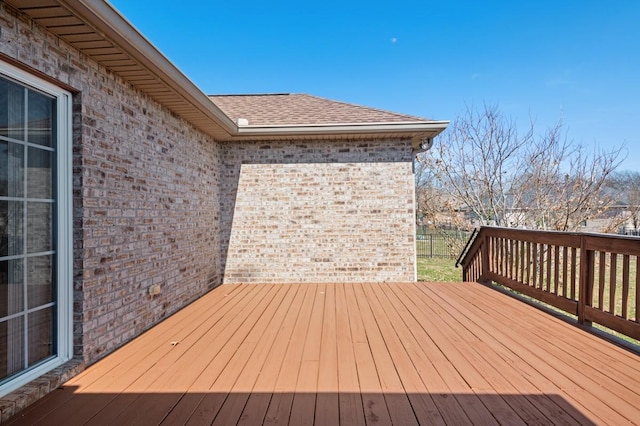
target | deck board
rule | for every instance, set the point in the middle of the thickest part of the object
(623, 399)
(373, 401)
(424, 355)
(258, 400)
(279, 409)
(354, 354)
(396, 398)
(460, 376)
(349, 394)
(483, 354)
(512, 329)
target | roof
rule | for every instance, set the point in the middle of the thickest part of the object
(101, 33)
(282, 115)
(298, 108)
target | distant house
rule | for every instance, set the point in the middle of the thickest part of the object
(127, 193)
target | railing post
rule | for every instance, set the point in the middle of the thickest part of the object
(484, 253)
(585, 293)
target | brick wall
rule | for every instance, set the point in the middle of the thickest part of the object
(157, 202)
(318, 211)
(145, 189)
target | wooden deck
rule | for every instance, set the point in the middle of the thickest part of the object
(351, 354)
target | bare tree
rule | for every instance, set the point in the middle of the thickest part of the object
(478, 161)
(625, 188)
(483, 165)
(437, 210)
(565, 183)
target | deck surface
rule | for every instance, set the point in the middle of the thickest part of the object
(354, 354)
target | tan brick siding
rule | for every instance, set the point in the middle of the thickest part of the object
(145, 194)
(318, 211)
(157, 202)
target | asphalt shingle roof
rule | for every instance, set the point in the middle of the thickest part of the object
(300, 109)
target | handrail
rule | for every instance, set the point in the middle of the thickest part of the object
(466, 246)
(593, 276)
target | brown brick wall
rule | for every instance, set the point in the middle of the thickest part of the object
(145, 189)
(318, 211)
(157, 202)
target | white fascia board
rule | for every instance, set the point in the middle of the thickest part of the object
(104, 18)
(413, 127)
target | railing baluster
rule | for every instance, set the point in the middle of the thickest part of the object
(549, 266)
(602, 267)
(528, 276)
(522, 259)
(486, 254)
(625, 286)
(490, 254)
(574, 272)
(516, 256)
(585, 298)
(511, 258)
(560, 269)
(638, 289)
(565, 269)
(556, 269)
(612, 283)
(534, 268)
(499, 253)
(541, 270)
(507, 257)
(503, 255)
(495, 255)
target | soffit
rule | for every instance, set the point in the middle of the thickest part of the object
(102, 34)
(96, 29)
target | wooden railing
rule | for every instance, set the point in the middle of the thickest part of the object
(595, 277)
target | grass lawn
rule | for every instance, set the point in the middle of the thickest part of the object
(603, 293)
(438, 269)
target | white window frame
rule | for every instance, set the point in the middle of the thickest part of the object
(64, 248)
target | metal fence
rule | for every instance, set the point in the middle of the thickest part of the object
(430, 243)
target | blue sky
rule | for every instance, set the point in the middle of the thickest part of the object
(575, 60)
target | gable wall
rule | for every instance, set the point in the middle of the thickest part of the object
(318, 211)
(157, 202)
(145, 194)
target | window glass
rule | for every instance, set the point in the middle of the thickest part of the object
(39, 173)
(39, 227)
(40, 118)
(12, 352)
(39, 280)
(11, 169)
(41, 344)
(12, 102)
(11, 228)
(11, 288)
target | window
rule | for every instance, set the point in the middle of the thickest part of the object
(35, 225)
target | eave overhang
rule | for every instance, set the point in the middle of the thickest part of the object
(101, 33)
(407, 130)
